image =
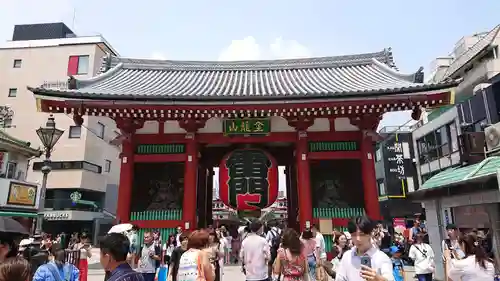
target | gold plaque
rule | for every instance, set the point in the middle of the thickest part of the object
(22, 194)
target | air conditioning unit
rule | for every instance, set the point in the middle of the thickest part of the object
(472, 147)
(492, 137)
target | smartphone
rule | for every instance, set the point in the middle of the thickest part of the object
(366, 261)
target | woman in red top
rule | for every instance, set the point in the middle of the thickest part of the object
(291, 261)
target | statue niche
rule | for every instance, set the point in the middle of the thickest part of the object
(158, 186)
(336, 184)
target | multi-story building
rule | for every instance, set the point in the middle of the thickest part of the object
(475, 61)
(395, 173)
(84, 163)
(450, 146)
(18, 199)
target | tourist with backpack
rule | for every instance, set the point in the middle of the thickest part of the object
(273, 238)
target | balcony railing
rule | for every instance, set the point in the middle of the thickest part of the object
(57, 84)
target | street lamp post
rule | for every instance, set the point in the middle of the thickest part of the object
(49, 135)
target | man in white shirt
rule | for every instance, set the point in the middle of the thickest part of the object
(320, 242)
(378, 267)
(255, 254)
(271, 234)
(179, 232)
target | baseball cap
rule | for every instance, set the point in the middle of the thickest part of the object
(394, 249)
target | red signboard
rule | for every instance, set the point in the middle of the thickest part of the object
(248, 179)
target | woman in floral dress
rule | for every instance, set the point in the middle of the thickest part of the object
(291, 263)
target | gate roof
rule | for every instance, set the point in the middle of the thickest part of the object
(369, 75)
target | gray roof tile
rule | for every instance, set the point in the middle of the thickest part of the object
(340, 76)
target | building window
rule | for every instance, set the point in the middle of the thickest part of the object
(378, 155)
(107, 166)
(381, 189)
(11, 170)
(69, 165)
(436, 144)
(78, 65)
(453, 136)
(480, 125)
(100, 130)
(12, 92)
(17, 63)
(75, 132)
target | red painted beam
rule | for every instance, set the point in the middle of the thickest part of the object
(158, 224)
(159, 158)
(219, 138)
(259, 105)
(331, 155)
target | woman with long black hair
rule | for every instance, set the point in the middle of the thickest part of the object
(168, 248)
(476, 266)
(57, 267)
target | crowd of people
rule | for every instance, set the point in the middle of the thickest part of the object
(266, 253)
(366, 251)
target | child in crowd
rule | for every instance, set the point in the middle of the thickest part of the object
(397, 263)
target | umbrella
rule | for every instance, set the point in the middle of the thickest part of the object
(120, 228)
(10, 225)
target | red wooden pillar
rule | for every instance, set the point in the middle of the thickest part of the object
(372, 206)
(127, 128)
(126, 180)
(190, 181)
(303, 181)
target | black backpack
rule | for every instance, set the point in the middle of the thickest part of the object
(275, 244)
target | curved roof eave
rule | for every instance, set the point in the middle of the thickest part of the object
(75, 95)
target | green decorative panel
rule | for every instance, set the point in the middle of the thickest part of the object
(159, 215)
(328, 146)
(328, 242)
(160, 149)
(247, 126)
(337, 212)
(164, 233)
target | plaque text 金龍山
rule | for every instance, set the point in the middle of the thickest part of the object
(247, 126)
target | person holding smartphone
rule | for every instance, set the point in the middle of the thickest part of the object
(364, 261)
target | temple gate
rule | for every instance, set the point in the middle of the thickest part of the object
(178, 120)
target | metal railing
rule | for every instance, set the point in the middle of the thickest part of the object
(70, 205)
(73, 257)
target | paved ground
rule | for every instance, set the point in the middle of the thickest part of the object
(231, 273)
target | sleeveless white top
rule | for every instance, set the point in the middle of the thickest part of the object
(188, 266)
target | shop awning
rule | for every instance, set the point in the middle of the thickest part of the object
(461, 175)
(17, 214)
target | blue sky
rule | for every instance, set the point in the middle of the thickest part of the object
(417, 31)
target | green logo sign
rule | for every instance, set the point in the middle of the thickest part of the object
(75, 196)
(247, 126)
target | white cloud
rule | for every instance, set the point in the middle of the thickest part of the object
(158, 56)
(249, 49)
(245, 49)
(288, 49)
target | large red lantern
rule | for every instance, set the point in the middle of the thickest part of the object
(248, 179)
